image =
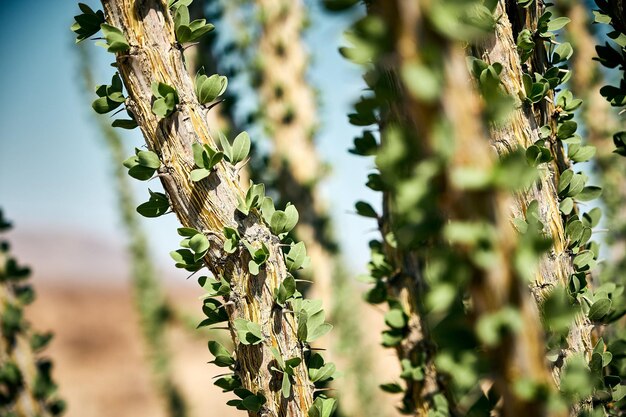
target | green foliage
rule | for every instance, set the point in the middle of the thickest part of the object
(110, 96)
(115, 39)
(87, 23)
(237, 151)
(142, 165)
(223, 358)
(165, 99)
(156, 206)
(210, 88)
(186, 30)
(310, 315)
(205, 158)
(280, 222)
(247, 400)
(323, 407)
(253, 199)
(259, 256)
(18, 339)
(248, 332)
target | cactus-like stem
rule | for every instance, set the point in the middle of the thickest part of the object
(522, 130)
(210, 205)
(494, 287)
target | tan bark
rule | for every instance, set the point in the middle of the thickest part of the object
(521, 356)
(209, 205)
(521, 130)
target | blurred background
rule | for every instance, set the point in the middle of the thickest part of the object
(58, 187)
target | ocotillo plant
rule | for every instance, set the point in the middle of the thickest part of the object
(485, 256)
(149, 297)
(26, 385)
(238, 235)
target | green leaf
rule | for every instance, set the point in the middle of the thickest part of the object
(567, 129)
(254, 402)
(396, 319)
(88, 23)
(215, 312)
(210, 88)
(322, 407)
(249, 333)
(286, 386)
(165, 99)
(286, 290)
(365, 210)
(566, 206)
(240, 148)
(148, 159)
(392, 388)
(296, 257)
(589, 193)
(222, 355)
(558, 23)
(583, 259)
(115, 39)
(199, 174)
(199, 244)
(232, 239)
(156, 206)
(318, 370)
(599, 309)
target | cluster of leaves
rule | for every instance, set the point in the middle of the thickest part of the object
(186, 30)
(16, 294)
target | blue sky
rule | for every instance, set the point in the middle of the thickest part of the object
(55, 171)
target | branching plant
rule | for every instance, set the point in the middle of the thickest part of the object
(26, 385)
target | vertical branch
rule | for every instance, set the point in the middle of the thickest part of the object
(522, 130)
(446, 221)
(231, 232)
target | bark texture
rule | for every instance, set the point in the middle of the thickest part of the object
(521, 130)
(521, 355)
(209, 205)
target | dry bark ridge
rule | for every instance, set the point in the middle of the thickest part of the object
(521, 356)
(209, 205)
(521, 130)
